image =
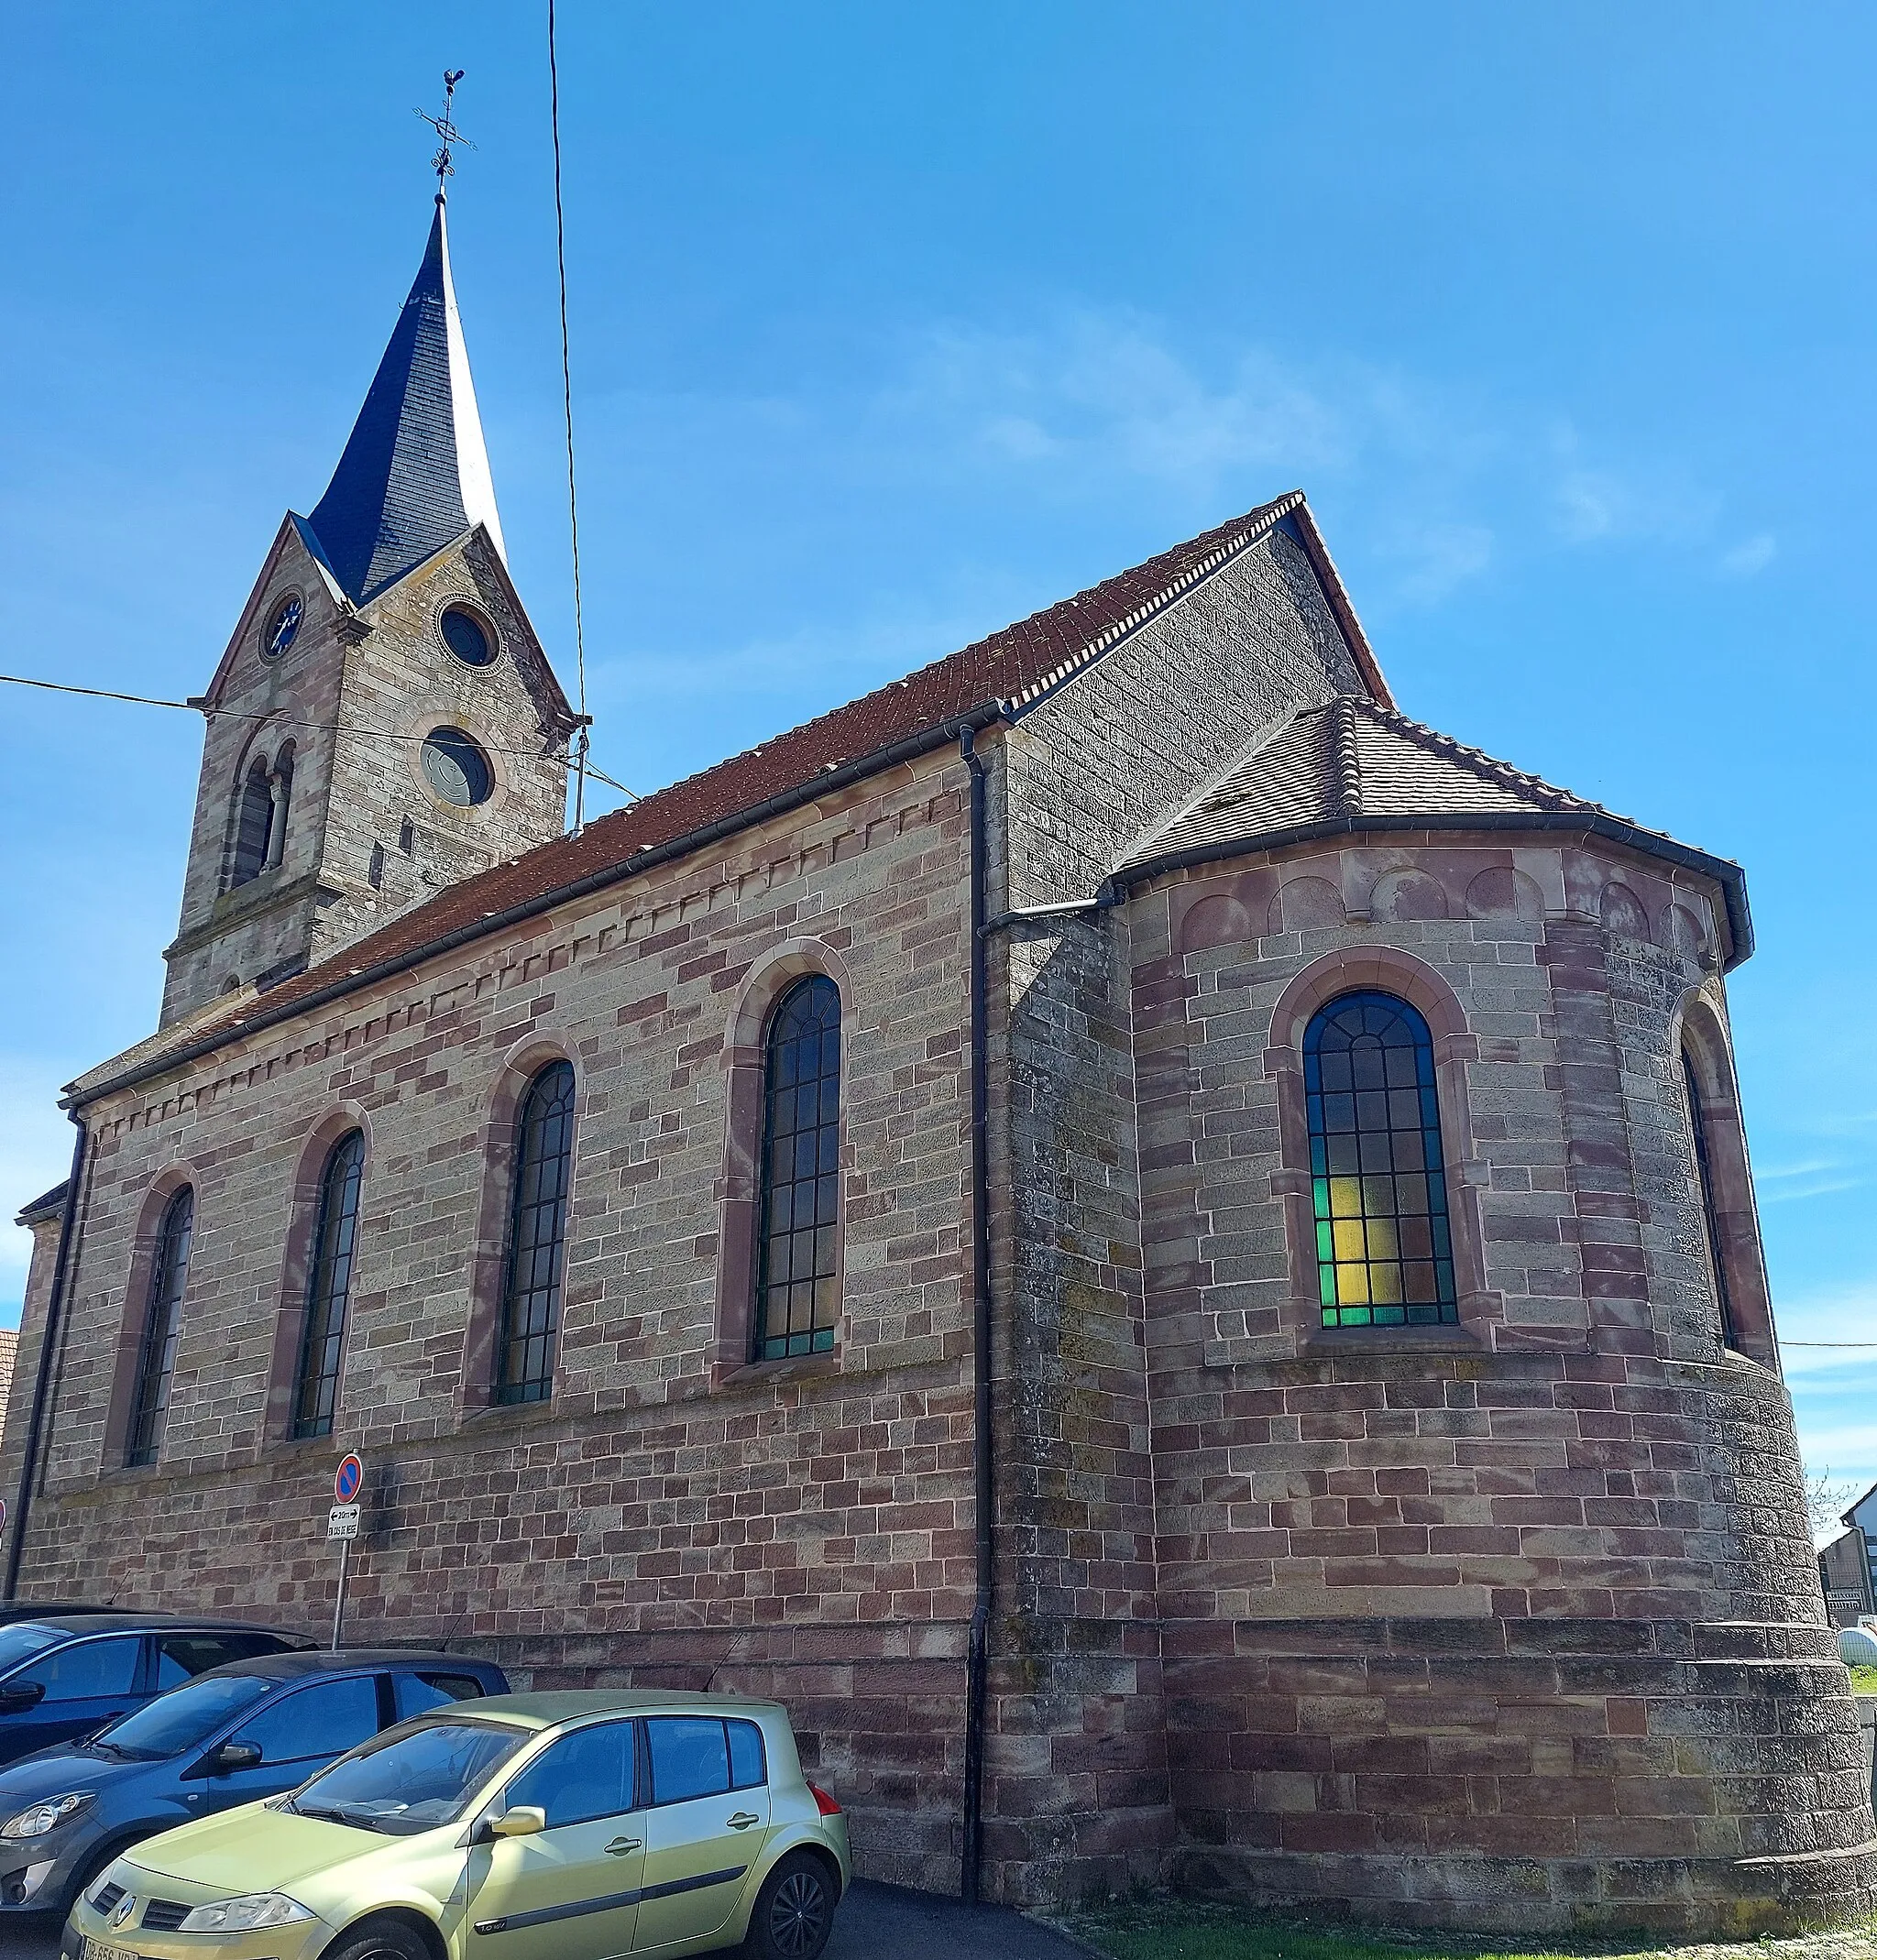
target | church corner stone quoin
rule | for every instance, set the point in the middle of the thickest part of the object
(1394, 1497)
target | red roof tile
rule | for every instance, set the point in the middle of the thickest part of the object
(1010, 667)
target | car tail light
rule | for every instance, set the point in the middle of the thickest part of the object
(823, 1801)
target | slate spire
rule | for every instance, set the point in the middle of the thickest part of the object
(414, 474)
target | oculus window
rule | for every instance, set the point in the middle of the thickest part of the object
(457, 769)
(467, 637)
(1379, 1185)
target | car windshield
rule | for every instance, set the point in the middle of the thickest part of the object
(23, 1639)
(411, 1779)
(183, 1717)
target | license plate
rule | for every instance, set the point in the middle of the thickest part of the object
(97, 1950)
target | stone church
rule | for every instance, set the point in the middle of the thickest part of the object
(1163, 1253)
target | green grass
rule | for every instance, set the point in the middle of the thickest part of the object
(1166, 1929)
(1864, 1681)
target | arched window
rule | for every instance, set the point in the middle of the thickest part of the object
(537, 1238)
(156, 1358)
(253, 825)
(329, 1289)
(1710, 1210)
(1384, 1248)
(797, 1279)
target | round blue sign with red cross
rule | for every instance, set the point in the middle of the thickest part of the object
(351, 1475)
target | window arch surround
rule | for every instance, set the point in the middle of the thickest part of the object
(1702, 1055)
(745, 1058)
(156, 1299)
(1385, 970)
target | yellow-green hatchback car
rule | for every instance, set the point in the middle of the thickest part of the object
(575, 1827)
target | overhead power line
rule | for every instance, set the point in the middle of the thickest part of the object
(281, 721)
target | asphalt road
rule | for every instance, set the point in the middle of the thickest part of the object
(875, 1922)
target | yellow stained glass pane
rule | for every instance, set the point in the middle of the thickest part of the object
(1352, 1285)
(1382, 1240)
(1346, 1197)
(1385, 1283)
(1349, 1240)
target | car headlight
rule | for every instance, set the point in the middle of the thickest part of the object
(248, 1913)
(46, 1816)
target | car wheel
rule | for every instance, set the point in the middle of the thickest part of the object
(794, 1910)
(381, 1939)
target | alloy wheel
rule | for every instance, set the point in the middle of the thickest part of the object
(798, 1914)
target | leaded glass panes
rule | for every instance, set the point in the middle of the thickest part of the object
(1710, 1215)
(1384, 1247)
(329, 1289)
(537, 1238)
(798, 1284)
(156, 1359)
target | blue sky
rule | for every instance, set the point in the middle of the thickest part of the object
(892, 324)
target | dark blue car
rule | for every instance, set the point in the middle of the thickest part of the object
(250, 1729)
(66, 1674)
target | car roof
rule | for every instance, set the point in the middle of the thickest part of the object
(302, 1662)
(570, 1704)
(94, 1623)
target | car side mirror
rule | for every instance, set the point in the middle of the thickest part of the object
(21, 1695)
(519, 1820)
(233, 1756)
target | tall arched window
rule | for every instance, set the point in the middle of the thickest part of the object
(156, 1357)
(797, 1280)
(1710, 1210)
(537, 1238)
(253, 825)
(329, 1289)
(1384, 1248)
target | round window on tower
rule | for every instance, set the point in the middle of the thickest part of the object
(283, 623)
(457, 769)
(468, 635)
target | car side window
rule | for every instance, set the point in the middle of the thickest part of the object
(325, 1719)
(92, 1667)
(690, 1757)
(181, 1656)
(747, 1768)
(416, 1692)
(586, 1774)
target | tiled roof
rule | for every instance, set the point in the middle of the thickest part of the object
(9, 1353)
(49, 1205)
(1008, 668)
(414, 474)
(1353, 764)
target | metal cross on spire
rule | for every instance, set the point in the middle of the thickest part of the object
(448, 134)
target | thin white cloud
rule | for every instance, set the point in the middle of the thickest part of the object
(1750, 555)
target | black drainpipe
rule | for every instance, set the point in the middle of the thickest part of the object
(977, 1653)
(49, 1348)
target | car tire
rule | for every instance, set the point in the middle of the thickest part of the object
(794, 1912)
(380, 1939)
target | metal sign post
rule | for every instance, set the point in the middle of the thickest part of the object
(342, 1523)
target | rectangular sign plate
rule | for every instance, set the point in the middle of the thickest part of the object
(342, 1521)
(97, 1950)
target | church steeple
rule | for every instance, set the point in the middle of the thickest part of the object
(414, 475)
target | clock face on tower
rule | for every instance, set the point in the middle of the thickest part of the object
(282, 627)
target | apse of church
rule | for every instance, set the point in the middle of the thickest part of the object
(1290, 1160)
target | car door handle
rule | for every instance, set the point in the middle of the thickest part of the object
(743, 1820)
(620, 1846)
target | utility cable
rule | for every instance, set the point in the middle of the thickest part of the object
(286, 721)
(560, 249)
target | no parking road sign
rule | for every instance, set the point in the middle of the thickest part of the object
(351, 1474)
(342, 1523)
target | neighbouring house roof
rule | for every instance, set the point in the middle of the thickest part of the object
(996, 677)
(414, 473)
(51, 1204)
(9, 1353)
(1354, 764)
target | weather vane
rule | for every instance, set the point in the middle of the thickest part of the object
(448, 134)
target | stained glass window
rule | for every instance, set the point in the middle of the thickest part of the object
(155, 1360)
(1710, 1212)
(1385, 1255)
(798, 1287)
(329, 1291)
(537, 1238)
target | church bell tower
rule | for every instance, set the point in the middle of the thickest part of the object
(384, 721)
